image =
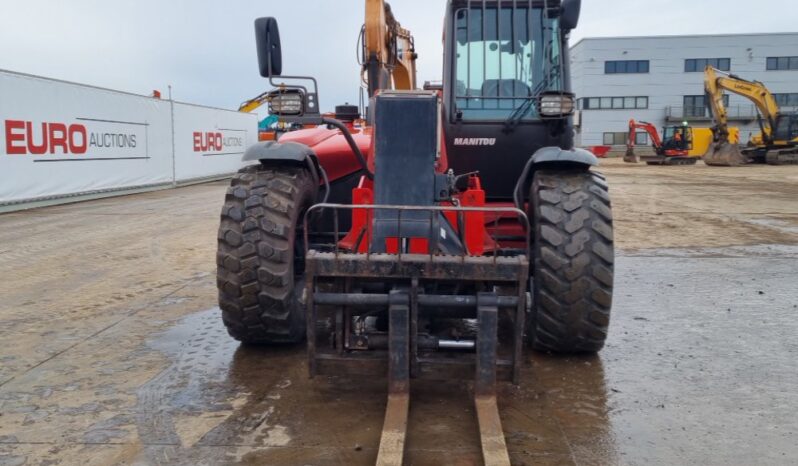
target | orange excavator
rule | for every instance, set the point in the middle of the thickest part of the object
(679, 145)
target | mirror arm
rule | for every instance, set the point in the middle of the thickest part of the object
(303, 88)
(294, 86)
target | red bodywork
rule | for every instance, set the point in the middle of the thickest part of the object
(338, 161)
(600, 151)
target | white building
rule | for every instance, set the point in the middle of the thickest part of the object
(660, 80)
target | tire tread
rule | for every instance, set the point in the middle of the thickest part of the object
(255, 273)
(573, 258)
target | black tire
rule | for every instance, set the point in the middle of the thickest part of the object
(259, 260)
(572, 261)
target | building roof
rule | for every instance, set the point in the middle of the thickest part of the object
(684, 36)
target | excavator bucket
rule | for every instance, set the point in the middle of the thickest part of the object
(630, 156)
(724, 154)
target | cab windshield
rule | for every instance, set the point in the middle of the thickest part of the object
(672, 131)
(786, 127)
(504, 58)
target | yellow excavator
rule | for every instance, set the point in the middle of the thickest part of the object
(778, 142)
(253, 104)
(389, 51)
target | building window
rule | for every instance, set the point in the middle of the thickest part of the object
(613, 103)
(641, 139)
(787, 100)
(626, 66)
(782, 63)
(696, 105)
(615, 139)
(695, 65)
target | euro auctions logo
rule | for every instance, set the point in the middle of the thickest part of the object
(92, 139)
(52, 137)
(220, 142)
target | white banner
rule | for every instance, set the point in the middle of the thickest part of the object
(210, 141)
(63, 139)
(60, 138)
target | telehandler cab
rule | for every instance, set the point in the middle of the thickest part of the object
(400, 245)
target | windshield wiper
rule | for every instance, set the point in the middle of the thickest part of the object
(518, 114)
(523, 110)
(552, 72)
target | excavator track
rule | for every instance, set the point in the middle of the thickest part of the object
(782, 157)
(680, 160)
(659, 160)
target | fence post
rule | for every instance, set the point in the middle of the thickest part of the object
(174, 154)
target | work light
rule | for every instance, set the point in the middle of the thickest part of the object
(553, 105)
(286, 104)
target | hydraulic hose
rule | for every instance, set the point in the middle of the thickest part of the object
(518, 195)
(326, 180)
(351, 141)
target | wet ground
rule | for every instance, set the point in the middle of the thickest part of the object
(112, 352)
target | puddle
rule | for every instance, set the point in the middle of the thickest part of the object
(781, 225)
(774, 251)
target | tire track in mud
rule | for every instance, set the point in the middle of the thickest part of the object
(197, 401)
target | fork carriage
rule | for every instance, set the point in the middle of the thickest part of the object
(348, 292)
(353, 292)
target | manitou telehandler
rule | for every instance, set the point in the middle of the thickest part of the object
(401, 245)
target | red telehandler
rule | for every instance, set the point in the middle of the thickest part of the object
(398, 246)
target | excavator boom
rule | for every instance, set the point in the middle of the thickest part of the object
(723, 152)
(253, 104)
(389, 55)
(656, 143)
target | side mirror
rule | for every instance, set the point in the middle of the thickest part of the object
(569, 14)
(270, 56)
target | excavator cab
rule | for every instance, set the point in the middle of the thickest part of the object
(677, 138)
(786, 129)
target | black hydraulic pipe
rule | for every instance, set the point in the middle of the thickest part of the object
(351, 141)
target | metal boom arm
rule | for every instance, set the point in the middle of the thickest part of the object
(388, 50)
(648, 128)
(754, 91)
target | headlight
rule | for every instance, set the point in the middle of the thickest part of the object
(556, 105)
(286, 104)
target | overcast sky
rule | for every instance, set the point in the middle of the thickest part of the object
(206, 49)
